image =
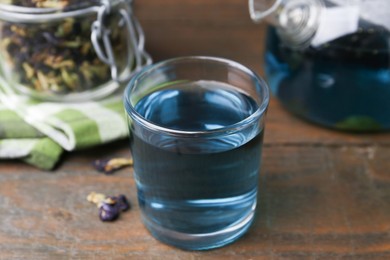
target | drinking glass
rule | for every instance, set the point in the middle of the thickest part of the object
(196, 133)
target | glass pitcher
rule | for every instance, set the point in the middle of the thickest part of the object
(329, 60)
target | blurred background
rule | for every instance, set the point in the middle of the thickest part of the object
(175, 33)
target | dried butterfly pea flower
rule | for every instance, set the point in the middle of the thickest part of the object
(122, 202)
(57, 57)
(109, 207)
(109, 166)
(50, 3)
(96, 198)
(108, 212)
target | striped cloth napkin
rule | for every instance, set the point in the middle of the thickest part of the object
(39, 132)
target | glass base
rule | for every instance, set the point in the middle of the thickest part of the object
(202, 241)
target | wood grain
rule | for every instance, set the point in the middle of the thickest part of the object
(323, 194)
(315, 202)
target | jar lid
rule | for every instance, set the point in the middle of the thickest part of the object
(37, 11)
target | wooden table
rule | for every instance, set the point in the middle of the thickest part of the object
(324, 194)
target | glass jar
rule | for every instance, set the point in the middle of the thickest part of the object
(69, 50)
(329, 61)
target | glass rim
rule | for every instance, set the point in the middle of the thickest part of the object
(233, 128)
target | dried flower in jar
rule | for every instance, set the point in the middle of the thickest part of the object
(57, 56)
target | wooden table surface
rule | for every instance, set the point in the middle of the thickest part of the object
(324, 194)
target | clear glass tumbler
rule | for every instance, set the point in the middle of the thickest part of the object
(196, 133)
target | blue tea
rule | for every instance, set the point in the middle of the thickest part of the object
(190, 187)
(344, 84)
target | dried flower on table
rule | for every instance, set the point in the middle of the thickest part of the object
(123, 203)
(109, 207)
(109, 166)
(108, 212)
(96, 198)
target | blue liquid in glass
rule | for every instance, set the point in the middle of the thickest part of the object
(344, 84)
(197, 193)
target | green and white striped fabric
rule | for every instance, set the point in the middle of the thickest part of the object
(38, 132)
